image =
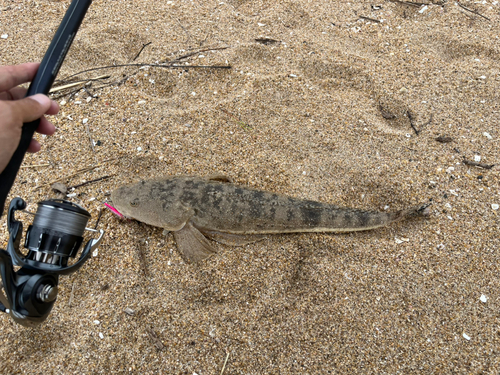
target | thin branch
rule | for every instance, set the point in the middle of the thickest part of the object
(187, 33)
(417, 5)
(34, 165)
(138, 53)
(72, 84)
(225, 363)
(90, 182)
(153, 66)
(410, 117)
(98, 218)
(90, 137)
(476, 164)
(79, 171)
(472, 11)
(369, 19)
(196, 52)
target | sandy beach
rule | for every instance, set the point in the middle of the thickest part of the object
(377, 105)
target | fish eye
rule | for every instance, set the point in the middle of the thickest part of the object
(134, 203)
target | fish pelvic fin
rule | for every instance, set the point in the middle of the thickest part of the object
(192, 244)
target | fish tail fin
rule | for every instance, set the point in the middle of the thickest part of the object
(413, 212)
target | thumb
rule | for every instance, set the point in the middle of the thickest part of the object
(30, 108)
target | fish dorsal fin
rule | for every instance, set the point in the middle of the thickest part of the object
(219, 177)
(233, 239)
(192, 244)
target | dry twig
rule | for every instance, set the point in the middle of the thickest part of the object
(78, 172)
(417, 5)
(142, 257)
(34, 165)
(152, 66)
(90, 182)
(369, 19)
(225, 362)
(410, 117)
(472, 11)
(476, 164)
(140, 51)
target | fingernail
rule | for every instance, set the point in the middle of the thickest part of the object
(40, 98)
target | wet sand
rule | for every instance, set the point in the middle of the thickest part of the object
(327, 106)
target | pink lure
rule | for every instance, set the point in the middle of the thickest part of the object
(114, 210)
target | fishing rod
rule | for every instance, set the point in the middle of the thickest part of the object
(56, 234)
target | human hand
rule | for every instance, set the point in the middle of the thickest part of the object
(15, 110)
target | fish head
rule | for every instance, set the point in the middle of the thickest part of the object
(135, 202)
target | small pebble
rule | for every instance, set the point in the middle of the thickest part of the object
(85, 120)
(101, 335)
(423, 9)
(487, 135)
(141, 102)
(466, 336)
(139, 148)
(5, 36)
(477, 158)
(129, 311)
(96, 322)
(95, 253)
(483, 298)
(59, 187)
(494, 206)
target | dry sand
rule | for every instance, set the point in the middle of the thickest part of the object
(323, 113)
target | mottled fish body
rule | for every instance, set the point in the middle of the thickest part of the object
(225, 212)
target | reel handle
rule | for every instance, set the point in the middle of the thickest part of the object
(41, 84)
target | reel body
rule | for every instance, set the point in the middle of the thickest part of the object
(55, 236)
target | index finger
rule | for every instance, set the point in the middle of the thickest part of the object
(14, 75)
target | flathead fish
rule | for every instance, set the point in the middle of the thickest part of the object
(195, 208)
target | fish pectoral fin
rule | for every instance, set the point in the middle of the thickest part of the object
(219, 177)
(192, 244)
(233, 239)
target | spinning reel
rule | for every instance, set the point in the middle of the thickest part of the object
(55, 236)
(57, 230)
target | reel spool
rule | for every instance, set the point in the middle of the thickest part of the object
(55, 236)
